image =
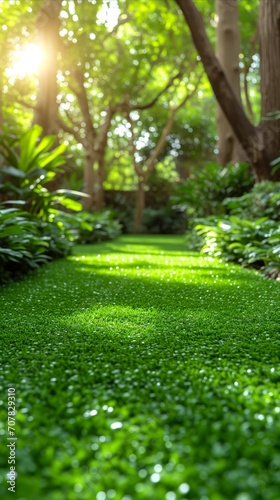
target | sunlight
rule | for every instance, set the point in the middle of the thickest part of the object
(26, 61)
(109, 14)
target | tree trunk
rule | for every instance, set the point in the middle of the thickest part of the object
(46, 113)
(269, 34)
(89, 178)
(260, 148)
(1, 103)
(93, 180)
(99, 189)
(228, 48)
(140, 205)
(100, 152)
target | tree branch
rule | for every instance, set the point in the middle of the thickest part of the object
(244, 130)
(116, 28)
(81, 95)
(27, 104)
(70, 130)
(71, 120)
(138, 170)
(151, 103)
(103, 135)
(167, 129)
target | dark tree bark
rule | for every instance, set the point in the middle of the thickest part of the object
(269, 35)
(259, 143)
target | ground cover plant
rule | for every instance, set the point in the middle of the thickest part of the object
(249, 233)
(142, 371)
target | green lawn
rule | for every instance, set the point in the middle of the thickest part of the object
(142, 371)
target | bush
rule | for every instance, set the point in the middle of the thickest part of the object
(21, 245)
(242, 229)
(165, 220)
(29, 164)
(262, 201)
(204, 191)
(245, 241)
(33, 230)
(96, 227)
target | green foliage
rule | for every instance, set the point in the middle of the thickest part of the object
(33, 230)
(251, 234)
(28, 164)
(21, 245)
(27, 242)
(262, 201)
(249, 242)
(164, 220)
(97, 226)
(142, 371)
(204, 191)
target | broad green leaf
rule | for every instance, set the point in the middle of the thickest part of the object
(14, 172)
(27, 145)
(55, 154)
(71, 204)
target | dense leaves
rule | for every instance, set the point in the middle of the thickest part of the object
(204, 191)
(34, 228)
(250, 235)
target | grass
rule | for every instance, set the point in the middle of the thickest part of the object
(142, 372)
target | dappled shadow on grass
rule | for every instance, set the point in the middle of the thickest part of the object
(230, 315)
(122, 372)
(140, 244)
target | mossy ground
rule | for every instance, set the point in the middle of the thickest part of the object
(142, 371)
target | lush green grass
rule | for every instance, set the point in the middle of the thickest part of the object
(142, 372)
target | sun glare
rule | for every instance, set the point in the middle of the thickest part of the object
(25, 60)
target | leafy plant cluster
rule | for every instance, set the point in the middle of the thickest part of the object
(249, 242)
(162, 216)
(233, 218)
(250, 234)
(164, 220)
(37, 224)
(97, 227)
(204, 192)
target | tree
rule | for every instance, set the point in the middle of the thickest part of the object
(144, 170)
(261, 143)
(46, 109)
(103, 64)
(228, 49)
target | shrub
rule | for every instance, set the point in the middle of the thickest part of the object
(245, 241)
(204, 191)
(21, 245)
(164, 220)
(29, 164)
(97, 226)
(33, 229)
(262, 201)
